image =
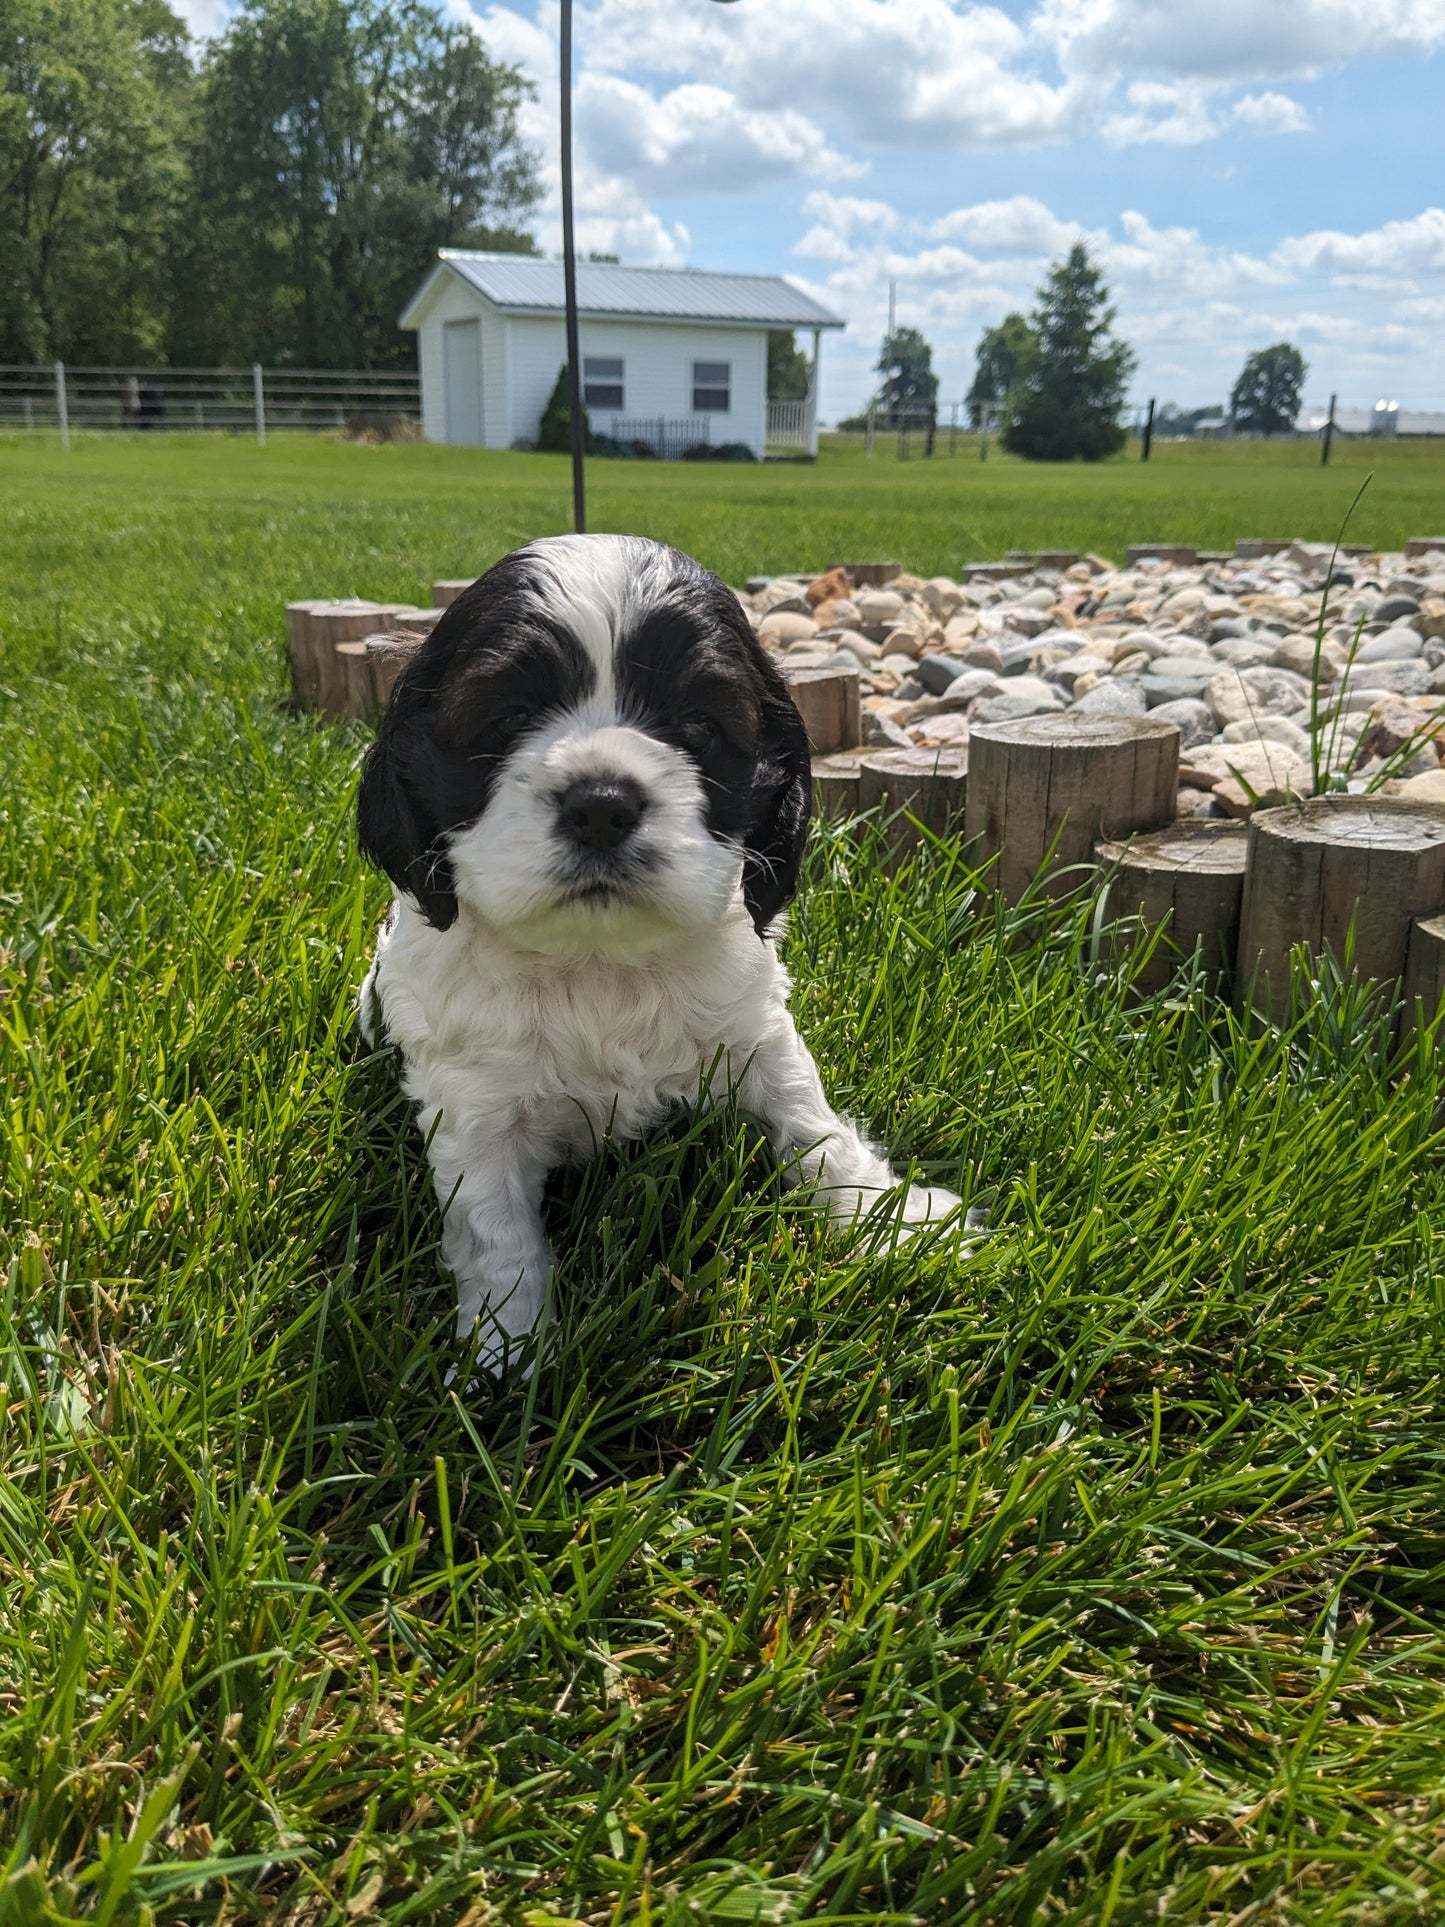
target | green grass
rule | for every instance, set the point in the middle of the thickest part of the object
(1098, 1578)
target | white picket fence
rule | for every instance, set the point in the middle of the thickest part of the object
(201, 400)
(792, 426)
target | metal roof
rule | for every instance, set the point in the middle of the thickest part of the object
(523, 283)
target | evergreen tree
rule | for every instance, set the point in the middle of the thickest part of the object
(1266, 398)
(908, 396)
(339, 143)
(1066, 406)
(1004, 355)
(93, 100)
(554, 430)
(789, 370)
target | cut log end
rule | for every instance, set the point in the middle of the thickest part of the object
(444, 594)
(1069, 731)
(1361, 822)
(1347, 875)
(1189, 879)
(835, 783)
(1204, 847)
(1044, 790)
(1424, 985)
(830, 704)
(911, 787)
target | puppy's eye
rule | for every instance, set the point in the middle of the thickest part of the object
(504, 724)
(699, 733)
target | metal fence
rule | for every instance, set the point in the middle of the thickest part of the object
(198, 400)
(665, 439)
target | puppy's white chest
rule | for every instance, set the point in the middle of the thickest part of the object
(568, 1054)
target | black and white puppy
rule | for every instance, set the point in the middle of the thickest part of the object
(591, 791)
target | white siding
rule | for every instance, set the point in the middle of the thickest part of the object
(657, 361)
(454, 302)
(521, 355)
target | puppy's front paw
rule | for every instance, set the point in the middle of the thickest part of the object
(928, 1204)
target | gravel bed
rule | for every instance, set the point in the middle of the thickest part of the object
(1227, 648)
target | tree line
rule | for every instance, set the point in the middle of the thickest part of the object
(1053, 383)
(274, 196)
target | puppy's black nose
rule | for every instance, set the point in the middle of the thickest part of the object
(600, 812)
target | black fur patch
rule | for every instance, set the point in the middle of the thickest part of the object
(690, 673)
(492, 666)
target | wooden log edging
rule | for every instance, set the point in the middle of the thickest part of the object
(1338, 874)
(835, 783)
(901, 785)
(1187, 881)
(1046, 789)
(830, 702)
(322, 680)
(1424, 987)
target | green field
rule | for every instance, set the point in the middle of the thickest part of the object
(1096, 1576)
(320, 516)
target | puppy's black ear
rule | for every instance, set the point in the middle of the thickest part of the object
(394, 831)
(782, 803)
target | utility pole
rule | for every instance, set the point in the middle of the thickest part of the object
(984, 411)
(576, 425)
(1148, 432)
(1328, 435)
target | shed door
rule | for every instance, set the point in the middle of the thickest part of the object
(462, 356)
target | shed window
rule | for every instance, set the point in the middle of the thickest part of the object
(602, 381)
(712, 387)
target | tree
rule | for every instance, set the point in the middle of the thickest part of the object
(93, 99)
(1266, 398)
(339, 143)
(790, 373)
(1005, 353)
(908, 396)
(554, 430)
(1066, 405)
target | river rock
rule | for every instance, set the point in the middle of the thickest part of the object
(1193, 719)
(1239, 693)
(1297, 654)
(878, 732)
(783, 627)
(1391, 645)
(1390, 608)
(1114, 696)
(937, 672)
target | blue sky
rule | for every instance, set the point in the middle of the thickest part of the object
(1246, 171)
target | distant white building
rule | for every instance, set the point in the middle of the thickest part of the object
(1386, 418)
(670, 355)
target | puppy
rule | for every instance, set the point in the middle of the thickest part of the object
(591, 792)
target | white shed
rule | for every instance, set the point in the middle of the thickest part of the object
(670, 356)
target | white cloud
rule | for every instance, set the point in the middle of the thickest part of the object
(1175, 113)
(698, 138)
(1391, 252)
(1271, 113)
(837, 220)
(888, 71)
(1021, 225)
(1232, 40)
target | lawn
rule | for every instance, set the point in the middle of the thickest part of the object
(1096, 1576)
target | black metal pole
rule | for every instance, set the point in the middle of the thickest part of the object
(569, 271)
(1328, 435)
(1148, 434)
